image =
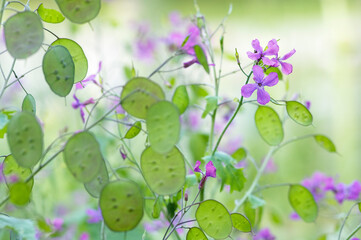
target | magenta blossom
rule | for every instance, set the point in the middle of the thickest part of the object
(259, 54)
(318, 185)
(210, 172)
(89, 79)
(347, 192)
(77, 104)
(94, 215)
(308, 105)
(287, 68)
(263, 97)
(84, 236)
(264, 234)
(294, 216)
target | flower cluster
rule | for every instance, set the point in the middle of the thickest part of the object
(263, 58)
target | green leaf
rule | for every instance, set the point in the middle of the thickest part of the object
(157, 207)
(79, 11)
(83, 157)
(221, 43)
(134, 130)
(58, 69)
(322, 237)
(20, 193)
(181, 98)
(164, 173)
(256, 202)
(139, 94)
(95, 186)
(43, 225)
(50, 15)
(12, 169)
(185, 41)
(269, 125)
(214, 219)
(276, 70)
(24, 34)
(239, 154)
(359, 206)
(227, 172)
(250, 212)
(25, 139)
(77, 54)
(5, 117)
(198, 143)
(23, 227)
(196, 233)
(241, 223)
(325, 143)
(163, 126)
(29, 104)
(299, 113)
(201, 57)
(303, 202)
(191, 180)
(212, 102)
(122, 205)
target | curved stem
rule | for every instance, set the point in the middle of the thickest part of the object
(354, 231)
(231, 119)
(163, 64)
(256, 179)
(295, 139)
(344, 221)
(7, 79)
(51, 32)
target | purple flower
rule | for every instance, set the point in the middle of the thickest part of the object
(77, 104)
(264, 234)
(123, 153)
(294, 216)
(84, 236)
(347, 192)
(94, 215)
(271, 166)
(2, 177)
(58, 224)
(308, 105)
(263, 97)
(286, 67)
(210, 172)
(89, 79)
(259, 54)
(318, 185)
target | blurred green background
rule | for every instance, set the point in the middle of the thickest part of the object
(326, 35)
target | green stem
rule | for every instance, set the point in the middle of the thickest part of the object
(164, 63)
(271, 186)
(295, 139)
(353, 232)
(256, 179)
(344, 221)
(2, 8)
(7, 79)
(232, 118)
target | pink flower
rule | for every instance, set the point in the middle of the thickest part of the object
(259, 54)
(77, 104)
(94, 215)
(210, 172)
(286, 67)
(89, 79)
(264, 234)
(84, 236)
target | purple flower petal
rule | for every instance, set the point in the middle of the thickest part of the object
(271, 79)
(308, 105)
(89, 101)
(340, 194)
(258, 74)
(254, 56)
(269, 62)
(353, 191)
(94, 215)
(272, 48)
(286, 68)
(196, 167)
(263, 97)
(76, 103)
(256, 45)
(248, 89)
(84, 236)
(288, 55)
(210, 170)
(82, 114)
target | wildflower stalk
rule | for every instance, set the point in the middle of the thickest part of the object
(354, 232)
(7, 78)
(344, 221)
(2, 8)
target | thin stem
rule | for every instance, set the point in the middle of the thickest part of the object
(22, 76)
(20, 82)
(256, 179)
(294, 140)
(231, 119)
(102, 231)
(271, 186)
(163, 64)
(102, 118)
(354, 231)
(9, 2)
(2, 6)
(7, 79)
(51, 32)
(344, 221)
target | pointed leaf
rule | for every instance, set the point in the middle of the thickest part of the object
(122, 205)
(164, 173)
(181, 98)
(25, 139)
(163, 126)
(24, 34)
(269, 125)
(196, 233)
(50, 15)
(58, 69)
(214, 219)
(134, 130)
(139, 94)
(29, 104)
(299, 113)
(79, 11)
(239, 154)
(303, 202)
(212, 102)
(23, 227)
(250, 212)
(201, 57)
(325, 143)
(241, 223)
(79, 59)
(12, 171)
